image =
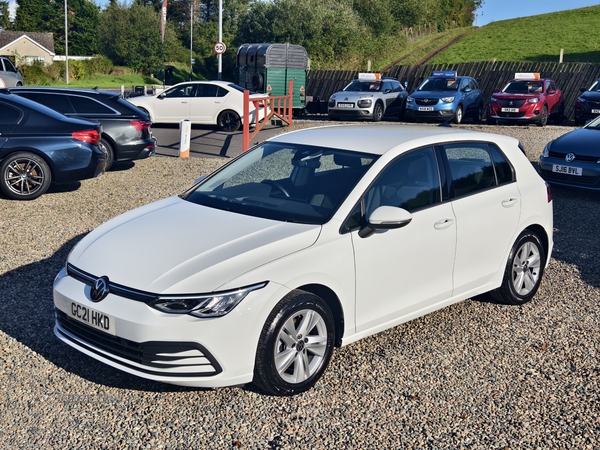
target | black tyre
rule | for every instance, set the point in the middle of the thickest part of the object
(108, 151)
(377, 112)
(491, 121)
(544, 119)
(458, 115)
(524, 271)
(295, 345)
(24, 176)
(229, 121)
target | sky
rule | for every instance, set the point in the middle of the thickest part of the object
(494, 10)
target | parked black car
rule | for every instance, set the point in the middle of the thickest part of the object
(126, 131)
(588, 104)
(39, 146)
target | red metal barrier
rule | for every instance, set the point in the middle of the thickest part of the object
(279, 106)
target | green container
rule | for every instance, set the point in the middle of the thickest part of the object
(267, 68)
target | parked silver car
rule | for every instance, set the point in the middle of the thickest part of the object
(9, 74)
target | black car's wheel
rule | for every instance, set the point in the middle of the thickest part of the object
(24, 176)
(523, 272)
(544, 118)
(377, 112)
(108, 151)
(458, 115)
(228, 121)
(295, 345)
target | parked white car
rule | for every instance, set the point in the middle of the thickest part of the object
(9, 74)
(311, 240)
(218, 103)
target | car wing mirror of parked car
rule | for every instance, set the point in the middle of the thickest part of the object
(582, 89)
(551, 91)
(496, 91)
(385, 218)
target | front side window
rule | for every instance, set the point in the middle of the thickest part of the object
(286, 182)
(410, 182)
(58, 103)
(185, 90)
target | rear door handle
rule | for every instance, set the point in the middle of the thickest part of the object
(509, 202)
(443, 224)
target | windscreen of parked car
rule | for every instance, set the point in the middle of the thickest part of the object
(286, 182)
(439, 84)
(524, 87)
(362, 86)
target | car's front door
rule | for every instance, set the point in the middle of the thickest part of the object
(403, 271)
(173, 105)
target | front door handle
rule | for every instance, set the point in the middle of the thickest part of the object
(443, 224)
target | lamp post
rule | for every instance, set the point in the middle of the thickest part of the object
(66, 46)
(191, 39)
(220, 56)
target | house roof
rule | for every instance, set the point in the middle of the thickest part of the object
(45, 40)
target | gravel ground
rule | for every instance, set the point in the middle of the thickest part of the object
(475, 375)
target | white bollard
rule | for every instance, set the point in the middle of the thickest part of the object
(185, 131)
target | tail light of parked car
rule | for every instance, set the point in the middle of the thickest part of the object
(90, 136)
(141, 124)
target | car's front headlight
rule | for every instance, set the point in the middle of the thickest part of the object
(493, 99)
(331, 103)
(447, 99)
(533, 100)
(204, 305)
(364, 103)
(546, 151)
(409, 99)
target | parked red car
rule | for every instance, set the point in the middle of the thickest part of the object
(527, 98)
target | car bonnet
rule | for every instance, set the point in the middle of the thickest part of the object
(174, 246)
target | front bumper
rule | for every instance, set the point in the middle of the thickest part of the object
(589, 179)
(437, 114)
(350, 113)
(170, 348)
(526, 114)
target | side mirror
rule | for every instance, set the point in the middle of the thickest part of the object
(467, 89)
(551, 91)
(385, 218)
(582, 89)
(161, 95)
(496, 91)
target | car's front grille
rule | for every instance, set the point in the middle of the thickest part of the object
(426, 101)
(176, 359)
(511, 103)
(582, 158)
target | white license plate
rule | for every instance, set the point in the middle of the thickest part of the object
(91, 317)
(425, 108)
(595, 111)
(567, 170)
(345, 105)
(510, 109)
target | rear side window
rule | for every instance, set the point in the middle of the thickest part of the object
(58, 103)
(476, 166)
(9, 115)
(84, 105)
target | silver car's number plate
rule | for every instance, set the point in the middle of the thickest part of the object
(425, 108)
(567, 170)
(91, 317)
(510, 109)
(345, 105)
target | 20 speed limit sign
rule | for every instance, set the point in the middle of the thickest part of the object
(220, 48)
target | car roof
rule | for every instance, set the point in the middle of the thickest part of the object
(379, 139)
(63, 90)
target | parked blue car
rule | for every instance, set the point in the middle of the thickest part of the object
(445, 96)
(39, 146)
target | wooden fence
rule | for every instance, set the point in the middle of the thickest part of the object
(569, 77)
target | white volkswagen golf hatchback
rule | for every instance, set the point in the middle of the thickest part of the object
(309, 241)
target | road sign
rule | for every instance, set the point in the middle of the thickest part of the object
(220, 48)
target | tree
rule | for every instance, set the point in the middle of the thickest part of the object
(82, 20)
(131, 36)
(32, 15)
(4, 16)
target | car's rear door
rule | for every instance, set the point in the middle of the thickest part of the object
(206, 104)
(487, 205)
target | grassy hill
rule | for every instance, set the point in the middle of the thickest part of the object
(536, 38)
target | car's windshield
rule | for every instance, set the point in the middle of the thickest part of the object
(524, 87)
(363, 86)
(286, 182)
(595, 87)
(439, 84)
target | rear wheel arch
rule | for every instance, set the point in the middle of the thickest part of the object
(542, 235)
(333, 301)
